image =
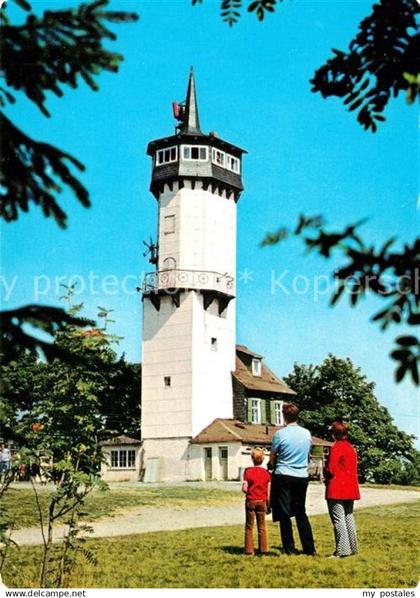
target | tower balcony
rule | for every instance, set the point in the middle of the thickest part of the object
(174, 280)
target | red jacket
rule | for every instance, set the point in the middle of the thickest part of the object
(341, 472)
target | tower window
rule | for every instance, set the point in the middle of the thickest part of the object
(169, 224)
(167, 381)
(195, 152)
(213, 344)
(218, 157)
(232, 163)
(165, 156)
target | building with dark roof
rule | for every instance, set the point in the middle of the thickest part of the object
(258, 394)
(222, 449)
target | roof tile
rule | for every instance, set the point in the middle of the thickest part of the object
(233, 430)
(267, 382)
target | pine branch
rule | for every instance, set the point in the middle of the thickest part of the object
(14, 340)
(230, 11)
(390, 275)
(34, 172)
(58, 49)
(380, 63)
(261, 7)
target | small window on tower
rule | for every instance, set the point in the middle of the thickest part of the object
(218, 157)
(214, 344)
(167, 155)
(203, 153)
(167, 381)
(195, 152)
(169, 225)
(232, 163)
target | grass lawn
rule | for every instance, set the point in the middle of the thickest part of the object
(212, 557)
(21, 506)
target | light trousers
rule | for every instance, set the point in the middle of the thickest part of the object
(341, 514)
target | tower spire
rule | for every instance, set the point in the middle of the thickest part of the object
(191, 123)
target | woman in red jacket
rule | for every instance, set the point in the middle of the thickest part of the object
(342, 489)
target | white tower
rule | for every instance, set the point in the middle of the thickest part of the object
(189, 301)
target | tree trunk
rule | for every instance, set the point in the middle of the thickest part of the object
(47, 546)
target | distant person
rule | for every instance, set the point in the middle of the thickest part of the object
(289, 458)
(342, 489)
(256, 487)
(5, 461)
(23, 471)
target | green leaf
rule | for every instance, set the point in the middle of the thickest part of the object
(408, 341)
(356, 104)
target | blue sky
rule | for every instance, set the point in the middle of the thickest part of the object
(306, 155)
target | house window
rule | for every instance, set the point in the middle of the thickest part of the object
(131, 458)
(213, 344)
(195, 152)
(256, 367)
(165, 156)
(232, 163)
(278, 413)
(114, 458)
(167, 381)
(169, 224)
(218, 157)
(123, 458)
(255, 411)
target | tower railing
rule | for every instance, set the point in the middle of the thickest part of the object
(174, 279)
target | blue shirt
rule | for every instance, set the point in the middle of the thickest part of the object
(292, 445)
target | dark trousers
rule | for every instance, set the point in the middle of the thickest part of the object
(288, 500)
(255, 509)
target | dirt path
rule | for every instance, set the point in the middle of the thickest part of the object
(147, 519)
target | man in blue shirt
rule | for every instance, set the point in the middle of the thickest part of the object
(289, 459)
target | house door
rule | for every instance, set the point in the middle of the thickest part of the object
(223, 462)
(152, 473)
(208, 468)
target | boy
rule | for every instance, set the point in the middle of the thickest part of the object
(256, 487)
